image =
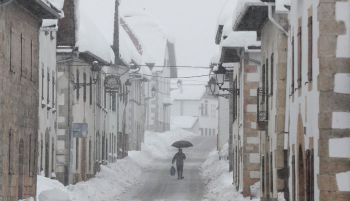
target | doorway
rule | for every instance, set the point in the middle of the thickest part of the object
(20, 169)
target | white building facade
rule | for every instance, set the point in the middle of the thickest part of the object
(47, 99)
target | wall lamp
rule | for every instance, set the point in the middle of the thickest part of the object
(220, 75)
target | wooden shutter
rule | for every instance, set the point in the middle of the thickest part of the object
(293, 67)
(310, 44)
(300, 54)
(272, 69)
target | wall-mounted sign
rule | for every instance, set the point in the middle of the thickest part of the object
(80, 130)
(112, 83)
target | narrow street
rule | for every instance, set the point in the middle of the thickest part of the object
(158, 185)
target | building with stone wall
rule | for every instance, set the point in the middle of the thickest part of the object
(20, 23)
(240, 60)
(271, 94)
(246, 163)
(318, 114)
(83, 136)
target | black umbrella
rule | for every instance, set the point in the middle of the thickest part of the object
(182, 144)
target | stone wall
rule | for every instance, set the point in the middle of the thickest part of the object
(274, 53)
(18, 102)
(251, 159)
(333, 84)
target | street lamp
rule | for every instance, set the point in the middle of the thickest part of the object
(212, 86)
(220, 76)
(153, 91)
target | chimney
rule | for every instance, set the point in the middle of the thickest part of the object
(67, 25)
(116, 34)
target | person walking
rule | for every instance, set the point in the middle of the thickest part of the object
(179, 158)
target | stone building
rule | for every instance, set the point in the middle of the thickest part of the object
(271, 94)
(318, 110)
(239, 61)
(83, 136)
(20, 23)
(304, 140)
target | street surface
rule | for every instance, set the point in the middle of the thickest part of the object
(158, 185)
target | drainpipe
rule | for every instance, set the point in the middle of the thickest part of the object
(273, 21)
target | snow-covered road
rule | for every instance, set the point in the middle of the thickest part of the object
(157, 184)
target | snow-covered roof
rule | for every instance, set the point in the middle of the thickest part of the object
(242, 39)
(188, 92)
(242, 6)
(128, 51)
(57, 3)
(152, 37)
(91, 33)
(280, 6)
(185, 122)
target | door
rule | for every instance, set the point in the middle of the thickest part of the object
(20, 169)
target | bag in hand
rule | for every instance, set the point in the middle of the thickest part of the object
(172, 171)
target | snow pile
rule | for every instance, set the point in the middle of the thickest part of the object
(114, 178)
(219, 180)
(186, 122)
(157, 146)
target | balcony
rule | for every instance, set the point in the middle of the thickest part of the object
(262, 104)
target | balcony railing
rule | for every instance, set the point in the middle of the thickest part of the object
(262, 104)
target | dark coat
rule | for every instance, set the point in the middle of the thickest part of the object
(179, 158)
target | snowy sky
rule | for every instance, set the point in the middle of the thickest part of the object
(191, 23)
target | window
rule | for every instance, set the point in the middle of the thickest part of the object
(53, 156)
(48, 87)
(53, 90)
(201, 129)
(78, 84)
(77, 153)
(90, 154)
(22, 47)
(300, 54)
(310, 175)
(84, 92)
(31, 59)
(206, 108)
(293, 179)
(272, 69)
(266, 77)
(235, 100)
(202, 109)
(263, 81)
(114, 102)
(310, 44)
(293, 67)
(10, 170)
(11, 48)
(105, 99)
(42, 81)
(90, 84)
(30, 155)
